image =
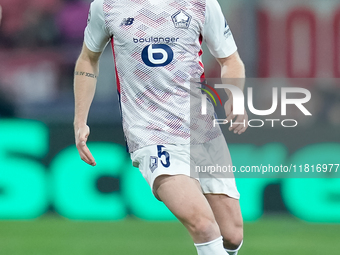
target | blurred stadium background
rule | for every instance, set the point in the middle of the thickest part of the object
(52, 203)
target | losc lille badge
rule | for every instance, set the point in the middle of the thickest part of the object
(153, 163)
(181, 19)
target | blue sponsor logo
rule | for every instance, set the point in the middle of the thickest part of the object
(156, 40)
(155, 55)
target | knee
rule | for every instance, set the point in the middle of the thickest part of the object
(233, 240)
(203, 227)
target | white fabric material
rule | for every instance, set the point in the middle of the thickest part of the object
(96, 34)
(157, 54)
(216, 32)
(215, 153)
(184, 157)
(214, 247)
(234, 252)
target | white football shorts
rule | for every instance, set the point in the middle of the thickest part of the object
(190, 160)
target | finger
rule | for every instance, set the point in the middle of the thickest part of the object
(242, 130)
(240, 123)
(227, 108)
(83, 154)
(86, 155)
(238, 129)
(230, 117)
(83, 133)
(82, 143)
(82, 138)
(83, 157)
(91, 159)
(88, 159)
(228, 112)
(232, 123)
(245, 127)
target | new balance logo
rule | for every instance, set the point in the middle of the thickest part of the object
(127, 21)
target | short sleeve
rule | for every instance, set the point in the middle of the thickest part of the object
(96, 34)
(216, 32)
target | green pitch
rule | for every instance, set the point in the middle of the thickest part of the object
(53, 235)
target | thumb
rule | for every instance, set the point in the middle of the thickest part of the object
(83, 138)
(228, 109)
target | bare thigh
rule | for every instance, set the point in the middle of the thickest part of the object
(184, 198)
(228, 215)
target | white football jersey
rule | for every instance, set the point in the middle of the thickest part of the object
(157, 52)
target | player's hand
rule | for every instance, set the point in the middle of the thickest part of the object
(81, 135)
(240, 122)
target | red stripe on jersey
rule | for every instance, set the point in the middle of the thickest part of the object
(200, 54)
(200, 40)
(203, 74)
(114, 59)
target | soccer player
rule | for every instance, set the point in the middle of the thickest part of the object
(157, 51)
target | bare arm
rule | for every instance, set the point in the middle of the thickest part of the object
(85, 78)
(232, 67)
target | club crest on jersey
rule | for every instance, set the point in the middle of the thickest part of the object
(181, 19)
(153, 163)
